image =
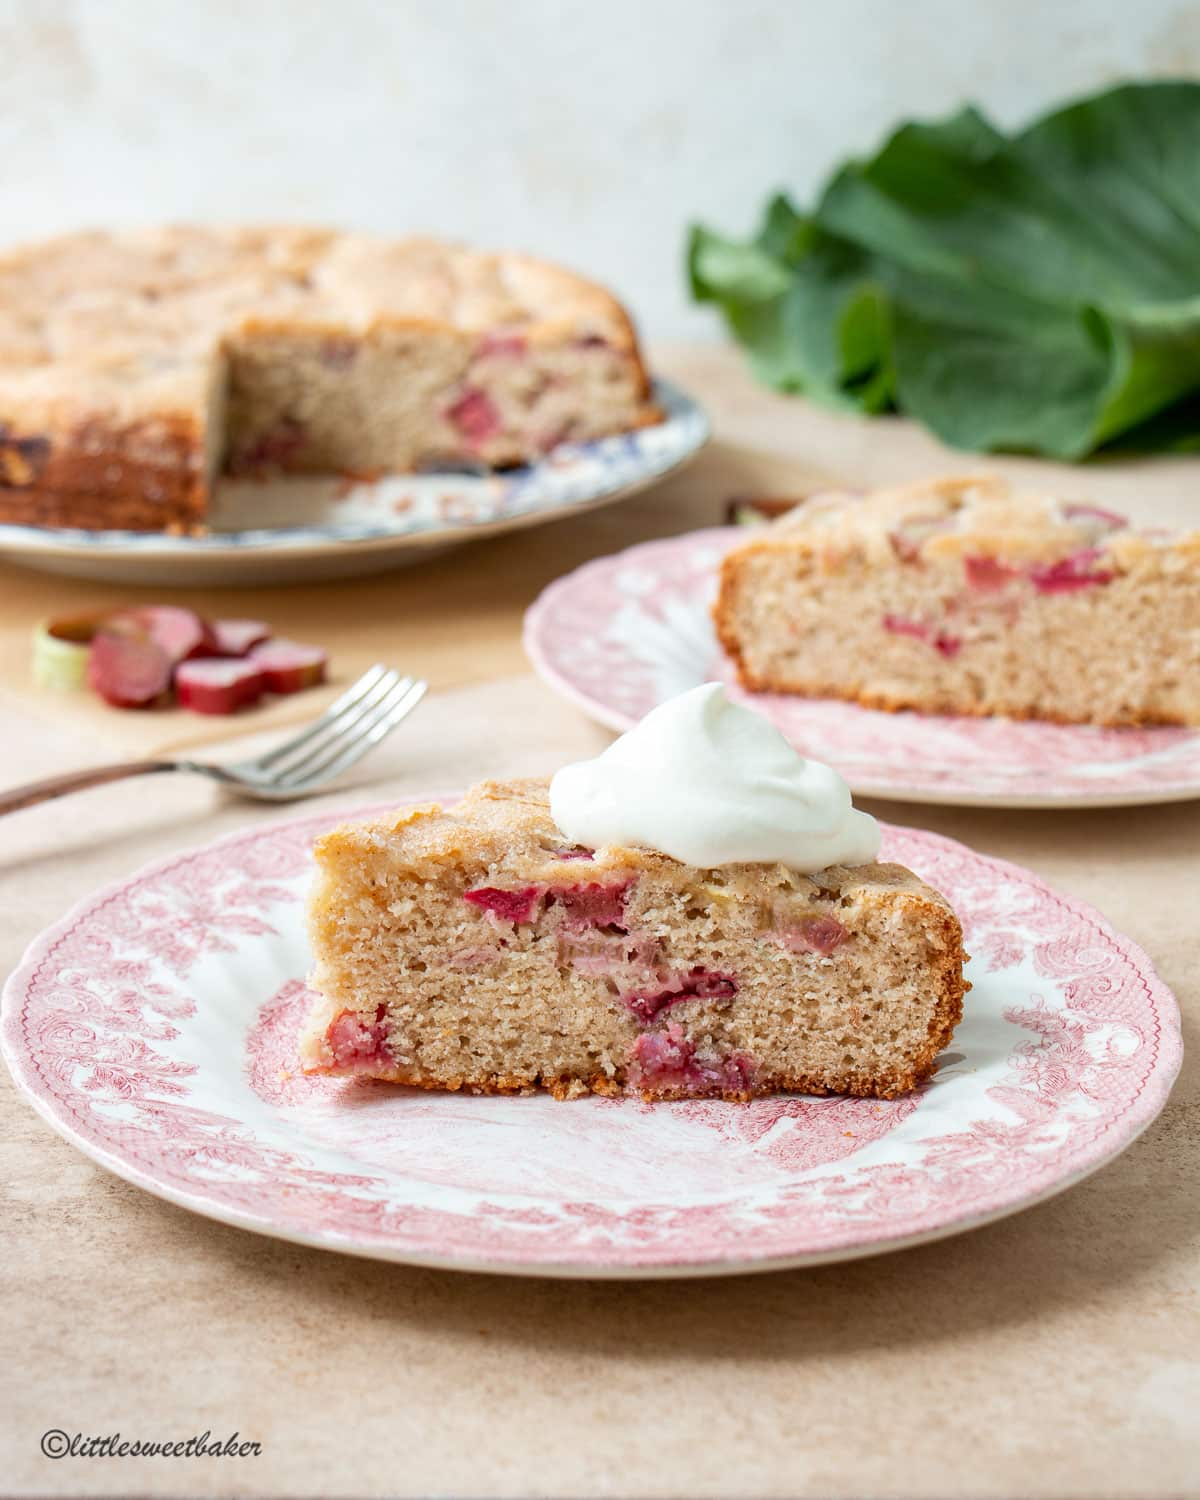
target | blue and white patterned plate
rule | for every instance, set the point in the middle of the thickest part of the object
(288, 529)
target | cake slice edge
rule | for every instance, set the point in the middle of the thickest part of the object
(550, 996)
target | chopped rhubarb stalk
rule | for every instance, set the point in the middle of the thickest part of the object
(355, 1044)
(812, 935)
(898, 625)
(611, 954)
(595, 963)
(707, 985)
(578, 852)
(275, 448)
(128, 671)
(592, 905)
(60, 649)
(289, 667)
(502, 343)
(940, 640)
(1074, 572)
(662, 1057)
(474, 414)
(697, 984)
(180, 632)
(237, 637)
(218, 685)
(508, 906)
(666, 1061)
(738, 1072)
(987, 573)
(946, 644)
(1109, 518)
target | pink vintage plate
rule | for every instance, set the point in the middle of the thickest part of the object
(155, 1028)
(619, 635)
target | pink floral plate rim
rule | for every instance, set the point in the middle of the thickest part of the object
(621, 633)
(153, 1028)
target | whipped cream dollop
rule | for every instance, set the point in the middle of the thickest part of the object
(711, 783)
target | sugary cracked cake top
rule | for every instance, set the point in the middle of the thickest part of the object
(506, 828)
(961, 516)
(114, 313)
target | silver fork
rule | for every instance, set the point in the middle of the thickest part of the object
(366, 713)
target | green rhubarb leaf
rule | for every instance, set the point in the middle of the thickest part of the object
(803, 303)
(1038, 292)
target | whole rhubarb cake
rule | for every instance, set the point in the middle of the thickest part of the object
(478, 947)
(135, 368)
(964, 596)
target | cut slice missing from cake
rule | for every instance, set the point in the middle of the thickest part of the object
(963, 596)
(476, 947)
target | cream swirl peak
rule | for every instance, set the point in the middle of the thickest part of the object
(711, 783)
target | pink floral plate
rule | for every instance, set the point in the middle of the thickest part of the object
(621, 634)
(155, 1027)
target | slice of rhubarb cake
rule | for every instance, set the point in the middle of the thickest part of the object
(963, 596)
(476, 947)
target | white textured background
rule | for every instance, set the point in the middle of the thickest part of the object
(589, 130)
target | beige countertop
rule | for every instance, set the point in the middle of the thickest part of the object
(1054, 1354)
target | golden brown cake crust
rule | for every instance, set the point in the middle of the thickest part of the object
(964, 596)
(145, 477)
(898, 960)
(115, 353)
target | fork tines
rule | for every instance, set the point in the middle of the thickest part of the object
(367, 711)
